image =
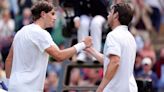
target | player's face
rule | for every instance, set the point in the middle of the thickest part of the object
(50, 18)
(110, 17)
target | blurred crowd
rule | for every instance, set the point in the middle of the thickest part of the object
(147, 26)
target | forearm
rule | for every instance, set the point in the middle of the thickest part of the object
(97, 55)
(102, 85)
(111, 71)
(66, 53)
(61, 55)
(8, 66)
(8, 63)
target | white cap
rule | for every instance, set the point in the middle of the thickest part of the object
(76, 19)
(147, 61)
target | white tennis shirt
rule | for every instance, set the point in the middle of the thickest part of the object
(29, 59)
(120, 42)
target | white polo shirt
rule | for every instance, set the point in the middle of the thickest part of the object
(30, 59)
(120, 42)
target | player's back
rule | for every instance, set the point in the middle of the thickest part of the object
(29, 63)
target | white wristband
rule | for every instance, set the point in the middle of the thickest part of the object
(80, 46)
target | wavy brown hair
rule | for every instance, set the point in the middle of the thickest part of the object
(39, 7)
(125, 13)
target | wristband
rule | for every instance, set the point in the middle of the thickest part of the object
(80, 46)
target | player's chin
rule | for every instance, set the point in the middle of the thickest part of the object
(51, 25)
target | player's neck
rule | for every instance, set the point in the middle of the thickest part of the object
(40, 23)
(115, 24)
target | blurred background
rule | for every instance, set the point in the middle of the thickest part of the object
(147, 28)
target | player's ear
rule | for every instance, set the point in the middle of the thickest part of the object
(116, 15)
(42, 14)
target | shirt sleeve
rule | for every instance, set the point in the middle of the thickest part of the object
(113, 46)
(42, 40)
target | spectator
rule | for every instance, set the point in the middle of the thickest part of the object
(156, 14)
(138, 64)
(25, 19)
(76, 79)
(160, 70)
(54, 66)
(141, 14)
(4, 5)
(7, 26)
(14, 8)
(23, 4)
(138, 38)
(93, 77)
(148, 51)
(141, 20)
(53, 81)
(147, 73)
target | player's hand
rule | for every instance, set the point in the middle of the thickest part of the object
(88, 41)
(89, 49)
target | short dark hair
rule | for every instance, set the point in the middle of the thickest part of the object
(40, 6)
(125, 13)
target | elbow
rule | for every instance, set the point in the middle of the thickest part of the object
(59, 58)
(112, 69)
(117, 64)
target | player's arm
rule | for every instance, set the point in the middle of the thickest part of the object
(111, 71)
(8, 63)
(61, 55)
(99, 56)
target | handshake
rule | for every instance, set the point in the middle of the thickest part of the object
(87, 42)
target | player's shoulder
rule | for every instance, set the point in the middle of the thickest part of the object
(112, 34)
(26, 27)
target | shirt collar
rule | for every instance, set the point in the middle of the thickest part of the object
(121, 27)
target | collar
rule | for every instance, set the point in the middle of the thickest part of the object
(121, 27)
